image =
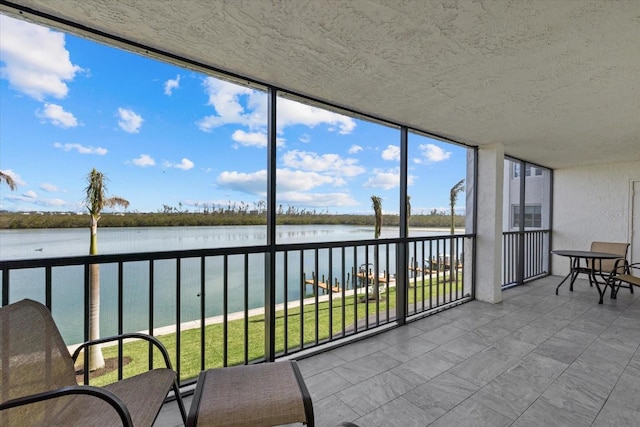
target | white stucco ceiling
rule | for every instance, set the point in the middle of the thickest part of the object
(557, 82)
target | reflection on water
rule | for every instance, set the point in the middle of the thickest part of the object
(47, 243)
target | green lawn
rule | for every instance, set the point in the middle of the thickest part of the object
(190, 341)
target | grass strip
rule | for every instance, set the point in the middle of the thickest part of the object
(190, 343)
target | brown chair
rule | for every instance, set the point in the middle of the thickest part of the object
(38, 380)
(606, 266)
(625, 276)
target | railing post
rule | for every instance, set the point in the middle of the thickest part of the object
(401, 250)
(5, 287)
(270, 255)
(521, 231)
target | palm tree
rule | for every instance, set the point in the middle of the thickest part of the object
(455, 190)
(376, 204)
(95, 201)
(9, 180)
(408, 214)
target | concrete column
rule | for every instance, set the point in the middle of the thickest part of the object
(489, 215)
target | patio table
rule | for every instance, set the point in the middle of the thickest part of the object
(574, 268)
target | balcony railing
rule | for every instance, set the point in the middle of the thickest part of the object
(228, 306)
(525, 256)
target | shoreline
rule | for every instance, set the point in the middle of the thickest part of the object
(196, 324)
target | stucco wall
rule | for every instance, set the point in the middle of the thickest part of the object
(489, 232)
(591, 203)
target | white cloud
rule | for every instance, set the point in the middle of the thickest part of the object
(30, 195)
(386, 179)
(32, 198)
(253, 139)
(432, 153)
(228, 99)
(144, 160)
(129, 120)
(287, 180)
(52, 202)
(35, 59)
(292, 113)
(16, 178)
(185, 164)
(297, 180)
(355, 149)
(251, 183)
(57, 116)
(45, 186)
(316, 199)
(311, 161)
(392, 152)
(81, 148)
(171, 84)
(250, 139)
(224, 97)
(306, 138)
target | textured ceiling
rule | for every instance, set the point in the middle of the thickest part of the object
(557, 82)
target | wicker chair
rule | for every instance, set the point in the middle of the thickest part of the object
(38, 384)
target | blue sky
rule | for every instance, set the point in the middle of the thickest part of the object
(165, 135)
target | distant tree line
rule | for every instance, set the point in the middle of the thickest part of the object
(212, 217)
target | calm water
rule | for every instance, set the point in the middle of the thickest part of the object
(68, 285)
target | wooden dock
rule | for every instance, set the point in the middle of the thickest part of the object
(371, 277)
(422, 270)
(322, 285)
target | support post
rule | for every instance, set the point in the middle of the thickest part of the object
(488, 251)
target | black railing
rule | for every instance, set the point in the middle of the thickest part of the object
(525, 256)
(208, 306)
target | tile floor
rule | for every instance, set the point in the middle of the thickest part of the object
(536, 359)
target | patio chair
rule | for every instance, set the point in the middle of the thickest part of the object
(624, 277)
(38, 384)
(606, 266)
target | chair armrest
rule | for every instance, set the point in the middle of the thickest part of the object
(623, 268)
(153, 340)
(87, 390)
(630, 267)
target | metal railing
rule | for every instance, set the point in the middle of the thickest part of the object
(208, 306)
(525, 256)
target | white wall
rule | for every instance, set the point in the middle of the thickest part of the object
(536, 193)
(591, 203)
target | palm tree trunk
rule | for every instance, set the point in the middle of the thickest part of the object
(96, 360)
(376, 202)
(376, 272)
(453, 257)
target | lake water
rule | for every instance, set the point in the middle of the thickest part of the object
(67, 305)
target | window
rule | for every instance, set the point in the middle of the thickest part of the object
(532, 216)
(528, 170)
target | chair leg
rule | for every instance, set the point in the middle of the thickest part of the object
(614, 291)
(176, 391)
